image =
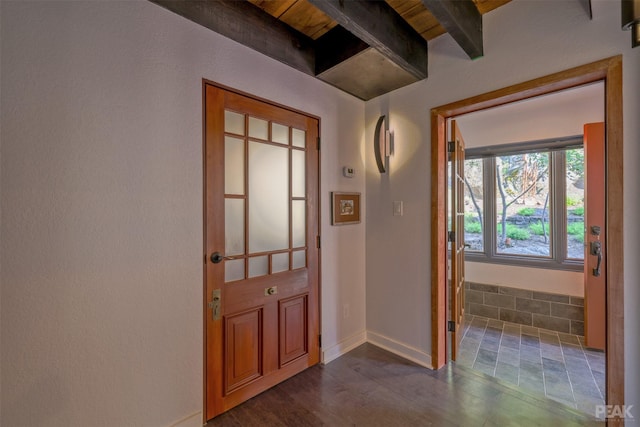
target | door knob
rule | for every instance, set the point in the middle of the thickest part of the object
(217, 257)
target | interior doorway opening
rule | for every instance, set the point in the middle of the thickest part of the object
(524, 206)
(607, 71)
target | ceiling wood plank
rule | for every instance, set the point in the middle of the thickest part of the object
(249, 25)
(462, 20)
(381, 27)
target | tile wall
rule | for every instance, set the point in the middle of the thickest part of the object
(556, 312)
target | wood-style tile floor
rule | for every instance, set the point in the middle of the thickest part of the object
(372, 387)
(553, 364)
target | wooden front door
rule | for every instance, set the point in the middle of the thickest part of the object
(261, 253)
(456, 240)
(595, 273)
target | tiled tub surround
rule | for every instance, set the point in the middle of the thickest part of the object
(555, 312)
(553, 364)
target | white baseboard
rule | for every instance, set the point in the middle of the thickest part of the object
(410, 353)
(193, 420)
(343, 347)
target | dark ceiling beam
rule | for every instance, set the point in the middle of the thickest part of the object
(249, 25)
(336, 46)
(462, 20)
(381, 27)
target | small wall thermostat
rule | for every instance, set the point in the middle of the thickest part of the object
(348, 171)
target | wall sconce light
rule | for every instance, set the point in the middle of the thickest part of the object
(631, 19)
(382, 144)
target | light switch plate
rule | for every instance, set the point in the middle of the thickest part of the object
(398, 209)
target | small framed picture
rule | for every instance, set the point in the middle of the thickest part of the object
(345, 208)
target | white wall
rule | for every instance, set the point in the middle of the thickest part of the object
(101, 186)
(556, 115)
(523, 40)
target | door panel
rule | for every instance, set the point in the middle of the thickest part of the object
(261, 204)
(293, 330)
(242, 348)
(457, 243)
(595, 272)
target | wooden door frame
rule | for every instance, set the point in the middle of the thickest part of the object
(608, 71)
(205, 297)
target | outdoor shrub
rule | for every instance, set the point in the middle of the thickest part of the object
(572, 202)
(536, 228)
(472, 227)
(578, 211)
(576, 228)
(526, 211)
(517, 233)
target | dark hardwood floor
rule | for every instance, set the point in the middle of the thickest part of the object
(372, 387)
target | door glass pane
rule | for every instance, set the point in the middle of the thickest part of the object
(233, 122)
(298, 180)
(268, 197)
(299, 259)
(234, 226)
(233, 270)
(279, 133)
(258, 128)
(523, 205)
(258, 266)
(298, 223)
(298, 138)
(473, 199)
(279, 262)
(233, 165)
(575, 203)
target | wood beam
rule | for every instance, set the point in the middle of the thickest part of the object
(381, 27)
(335, 47)
(462, 20)
(249, 25)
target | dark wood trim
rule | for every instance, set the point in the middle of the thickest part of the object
(462, 21)
(328, 55)
(610, 72)
(381, 27)
(251, 26)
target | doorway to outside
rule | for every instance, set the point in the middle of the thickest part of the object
(609, 71)
(524, 214)
(261, 251)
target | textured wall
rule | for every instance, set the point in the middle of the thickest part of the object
(101, 247)
(522, 40)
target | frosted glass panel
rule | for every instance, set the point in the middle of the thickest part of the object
(234, 226)
(279, 133)
(299, 137)
(268, 197)
(299, 259)
(233, 122)
(298, 222)
(298, 180)
(233, 270)
(258, 128)
(279, 262)
(258, 266)
(233, 165)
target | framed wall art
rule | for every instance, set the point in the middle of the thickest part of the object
(345, 208)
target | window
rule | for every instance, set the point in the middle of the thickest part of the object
(525, 205)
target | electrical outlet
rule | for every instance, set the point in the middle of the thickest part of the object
(345, 311)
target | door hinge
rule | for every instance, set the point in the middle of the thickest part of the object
(318, 146)
(451, 326)
(319, 340)
(318, 242)
(451, 146)
(452, 236)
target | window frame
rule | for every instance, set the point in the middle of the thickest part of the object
(558, 259)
